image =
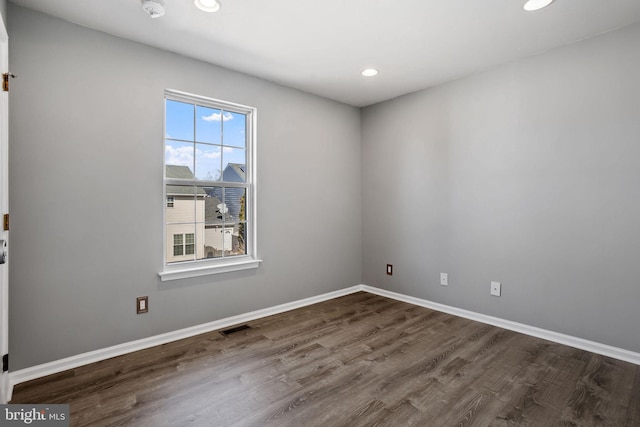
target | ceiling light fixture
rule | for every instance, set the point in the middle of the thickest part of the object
(155, 8)
(207, 5)
(369, 72)
(532, 5)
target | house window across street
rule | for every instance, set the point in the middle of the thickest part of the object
(178, 245)
(189, 244)
(209, 184)
(183, 244)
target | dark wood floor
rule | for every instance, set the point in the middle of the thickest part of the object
(359, 360)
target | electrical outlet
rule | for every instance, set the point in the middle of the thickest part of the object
(142, 305)
(496, 288)
(444, 279)
(389, 269)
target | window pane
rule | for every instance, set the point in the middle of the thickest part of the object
(208, 162)
(179, 120)
(176, 249)
(214, 242)
(235, 127)
(215, 216)
(238, 240)
(235, 199)
(179, 154)
(234, 164)
(215, 210)
(184, 203)
(208, 124)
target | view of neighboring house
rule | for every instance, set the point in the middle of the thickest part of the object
(204, 222)
(234, 172)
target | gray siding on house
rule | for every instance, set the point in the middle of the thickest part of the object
(232, 196)
(527, 174)
(86, 123)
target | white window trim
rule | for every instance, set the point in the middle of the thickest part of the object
(246, 263)
(185, 270)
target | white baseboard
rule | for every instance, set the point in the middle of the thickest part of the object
(594, 347)
(56, 366)
(72, 362)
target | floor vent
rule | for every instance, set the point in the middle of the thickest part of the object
(235, 329)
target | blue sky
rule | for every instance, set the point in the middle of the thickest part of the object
(218, 138)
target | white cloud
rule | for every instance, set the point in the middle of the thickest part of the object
(207, 162)
(215, 117)
(208, 154)
(183, 156)
(180, 156)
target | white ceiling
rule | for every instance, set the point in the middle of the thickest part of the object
(321, 46)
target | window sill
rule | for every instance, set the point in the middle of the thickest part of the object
(227, 267)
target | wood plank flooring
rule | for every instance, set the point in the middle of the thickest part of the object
(359, 360)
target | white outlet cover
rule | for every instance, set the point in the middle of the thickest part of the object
(444, 279)
(496, 288)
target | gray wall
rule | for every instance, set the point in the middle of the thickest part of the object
(86, 192)
(528, 174)
(3, 11)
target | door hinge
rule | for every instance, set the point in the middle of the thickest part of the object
(5, 362)
(5, 81)
(5, 224)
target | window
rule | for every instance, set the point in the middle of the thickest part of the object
(178, 245)
(183, 244)
(209, 185)
(189, 244)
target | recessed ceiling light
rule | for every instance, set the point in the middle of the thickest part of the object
(369, 72)
(208, 5)
(532, 5)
